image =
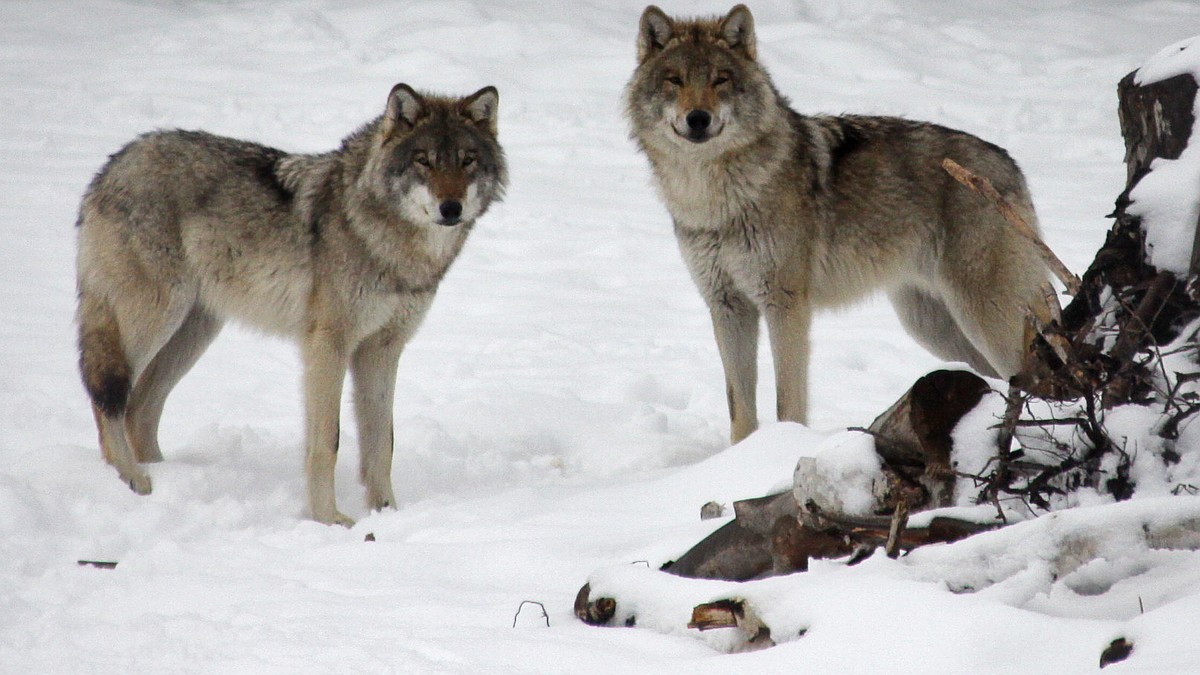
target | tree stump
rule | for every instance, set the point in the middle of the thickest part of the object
(1156, 122)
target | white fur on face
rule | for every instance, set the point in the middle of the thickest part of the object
(675, 120)
(471, 204)
(423, 207)
(420, 206)
(679, 124)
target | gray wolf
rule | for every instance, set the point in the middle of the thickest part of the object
(778, 213)
(342, 251)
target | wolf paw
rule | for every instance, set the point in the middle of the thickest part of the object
(139, 483)
(379, 502)
(336, 518)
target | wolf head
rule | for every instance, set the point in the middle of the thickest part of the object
(438, 160)
(698, 82)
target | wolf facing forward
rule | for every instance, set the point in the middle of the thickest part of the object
(342, 251)
(778, 213)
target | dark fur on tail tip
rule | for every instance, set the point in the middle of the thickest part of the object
(109, 391)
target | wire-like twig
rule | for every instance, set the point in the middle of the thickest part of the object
(531, 602)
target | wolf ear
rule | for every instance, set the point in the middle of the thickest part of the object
(405, 106)
(737, 31)
(654, 32)
(481, 108)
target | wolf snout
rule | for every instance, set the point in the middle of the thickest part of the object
(698, 121)
(451, 211)
(700, 126)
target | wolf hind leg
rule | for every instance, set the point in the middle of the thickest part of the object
(116, 344)
(929, 320)
(164, 371)
(107, 375)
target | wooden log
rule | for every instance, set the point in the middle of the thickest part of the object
(596, 612)
(733, 614)
(1156, 122)
(743, 548)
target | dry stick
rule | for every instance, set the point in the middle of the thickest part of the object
(984, 187)
(1051, 299)
(1138, 326)
(1134, 333)
(896, 529)
(1058, 343)
(531, 602)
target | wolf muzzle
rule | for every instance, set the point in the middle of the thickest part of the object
(699, 126)
(451, 211)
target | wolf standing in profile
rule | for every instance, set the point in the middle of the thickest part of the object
(779, 213)
(342, 251)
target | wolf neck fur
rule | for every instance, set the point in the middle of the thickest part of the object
(367, 220)
(708, 193)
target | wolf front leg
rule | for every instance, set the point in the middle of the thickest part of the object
(324, 371)
(735, 324)
(788, 327)
(373, 369)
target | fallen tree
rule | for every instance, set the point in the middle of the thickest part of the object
(1109, 386)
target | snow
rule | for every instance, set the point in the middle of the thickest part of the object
(561, 413)
(844, 476)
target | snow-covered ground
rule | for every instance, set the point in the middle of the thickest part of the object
(562, 409)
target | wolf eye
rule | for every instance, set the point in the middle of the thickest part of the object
(675, 80)
(468, 159)
(422, 159)
(720, 79)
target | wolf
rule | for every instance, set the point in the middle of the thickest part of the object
(778, 214)
(343, 252)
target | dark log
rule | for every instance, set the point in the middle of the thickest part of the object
(913, 436)
(733, 614)
(596, 612)
(743, 548)
(1156, 122)
(1118, 650)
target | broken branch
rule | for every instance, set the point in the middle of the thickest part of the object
(983, 187)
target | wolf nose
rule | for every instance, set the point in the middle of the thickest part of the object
(698, 120)
(451, 210)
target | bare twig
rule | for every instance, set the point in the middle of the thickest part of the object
(895, 529)
(531, 602)
(984, 187)
(1060, 345)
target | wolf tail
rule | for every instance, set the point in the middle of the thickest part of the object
(102, 361)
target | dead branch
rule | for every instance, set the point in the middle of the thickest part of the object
(733, 614)
(596, 612)
(531, 602)
(895, 529)
(983, 187)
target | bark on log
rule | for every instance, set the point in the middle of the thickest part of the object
(776, 535)
(1156, 122)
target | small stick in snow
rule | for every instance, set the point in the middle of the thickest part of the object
(984, 187)
(99, 564)
(899, 521)
(531, 602)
